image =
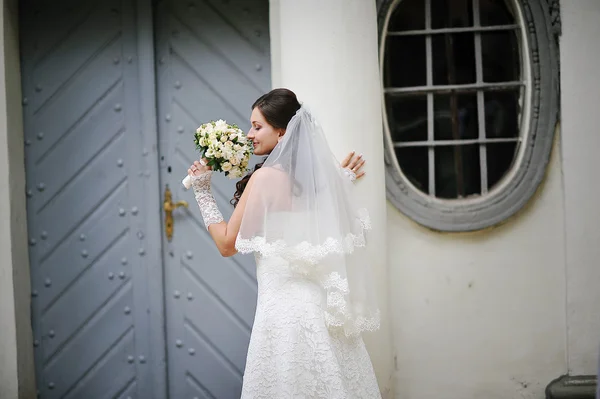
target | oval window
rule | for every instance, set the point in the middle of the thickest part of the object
(458, 79)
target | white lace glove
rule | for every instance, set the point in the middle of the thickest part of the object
(349, 174)
(205, 199)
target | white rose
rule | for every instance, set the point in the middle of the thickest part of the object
(236, 172)
(209, 153)
(237, 147)
(227, 153)
(226, 167)
(234, 161)
(221, 124)
(223, 138)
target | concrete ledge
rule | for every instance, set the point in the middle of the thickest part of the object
(572, 387)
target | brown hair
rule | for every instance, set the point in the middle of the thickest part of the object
(278, 107)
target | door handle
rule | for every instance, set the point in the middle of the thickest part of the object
(169, 207)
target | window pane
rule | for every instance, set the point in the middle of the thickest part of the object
(500, 157)
(457, 171)
(458, 51)
(495, 12)
(462, 108)
(502, 114)
(451, 13)
(405, 61)
(500, 54)
(408, 15)
(414, 165)
(407, 118)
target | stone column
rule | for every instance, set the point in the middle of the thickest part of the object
(327, 53)
(17, 377)
(580, 95)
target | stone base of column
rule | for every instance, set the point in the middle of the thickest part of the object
(572, 387)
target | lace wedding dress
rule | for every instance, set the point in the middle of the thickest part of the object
(314, 296)
(292, 353)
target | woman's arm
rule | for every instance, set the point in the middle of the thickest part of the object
(223, 233)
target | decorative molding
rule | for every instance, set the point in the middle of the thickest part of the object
(554, 7)
(572, 387)
(494, 209)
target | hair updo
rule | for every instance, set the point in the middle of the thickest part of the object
(278, 107)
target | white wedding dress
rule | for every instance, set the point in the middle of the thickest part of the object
(292, 353)
(314, 297)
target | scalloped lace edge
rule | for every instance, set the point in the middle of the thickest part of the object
(338, 316)
(305, 251)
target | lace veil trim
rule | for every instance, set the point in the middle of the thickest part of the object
(305, 251)
(338, 315)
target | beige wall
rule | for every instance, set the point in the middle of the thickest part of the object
(580, 63)
(502, 312)
(481, 315)
(16, 349)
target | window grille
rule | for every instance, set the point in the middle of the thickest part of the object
(464, 83)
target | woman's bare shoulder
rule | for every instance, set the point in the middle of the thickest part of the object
(268, 172)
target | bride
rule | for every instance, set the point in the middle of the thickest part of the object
(295, 213)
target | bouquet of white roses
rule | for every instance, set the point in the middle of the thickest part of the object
(225, 148)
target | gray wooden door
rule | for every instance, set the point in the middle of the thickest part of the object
(99, 153)
(93, 199)
(212, 62)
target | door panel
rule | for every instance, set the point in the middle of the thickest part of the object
(88, 213)
(212, 63)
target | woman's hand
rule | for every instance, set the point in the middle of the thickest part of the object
(354, 163)
(198, 168)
